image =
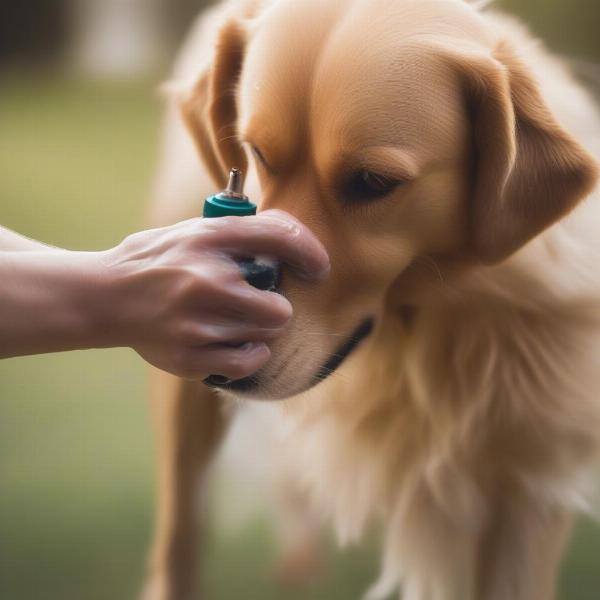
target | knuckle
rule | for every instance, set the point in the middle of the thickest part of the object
(191, 282)
(133, 238)
(225, 272)
(215, 228)
(195, 235)
(186, 335)
(201, 279)
(206, 334)
(178, 295)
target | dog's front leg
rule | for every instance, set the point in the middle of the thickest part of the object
(430, 549)
(189, 422)
(521, 551)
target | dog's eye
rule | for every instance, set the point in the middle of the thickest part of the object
(366, 185)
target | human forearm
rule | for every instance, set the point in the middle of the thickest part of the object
(14, 242)
(51, 301)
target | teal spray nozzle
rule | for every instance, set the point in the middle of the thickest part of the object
(262, 273)
(231, 201)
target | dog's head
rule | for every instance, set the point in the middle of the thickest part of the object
(395, 131)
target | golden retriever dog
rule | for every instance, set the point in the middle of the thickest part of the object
(444, 380)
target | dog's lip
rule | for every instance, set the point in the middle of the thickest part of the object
(248, 384)
(337, 358)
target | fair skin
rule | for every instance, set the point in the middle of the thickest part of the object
(174, 294)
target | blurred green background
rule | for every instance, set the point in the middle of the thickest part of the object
(77, 151)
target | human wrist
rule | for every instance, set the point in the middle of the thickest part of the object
(81, 300)
(97, 301)
(114, 319)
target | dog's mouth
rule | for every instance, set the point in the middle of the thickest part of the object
(337, 358)
(251, 384)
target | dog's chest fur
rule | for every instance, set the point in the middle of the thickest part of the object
(456, 409)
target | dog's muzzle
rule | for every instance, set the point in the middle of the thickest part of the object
(249, 384)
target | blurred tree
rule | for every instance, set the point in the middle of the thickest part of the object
(129, 32)
(118, 37)
(106, 36)
(32, 30)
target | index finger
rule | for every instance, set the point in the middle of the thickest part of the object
(273, 233)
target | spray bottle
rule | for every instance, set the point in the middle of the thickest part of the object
(260, 272)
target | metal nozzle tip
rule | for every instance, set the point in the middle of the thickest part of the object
(235, 186)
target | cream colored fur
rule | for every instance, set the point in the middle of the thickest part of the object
(468, 428)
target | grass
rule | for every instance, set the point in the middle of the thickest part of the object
(76, 459)
(75, 454)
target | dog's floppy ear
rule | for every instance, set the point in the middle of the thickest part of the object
(528, 172)
(209, 109)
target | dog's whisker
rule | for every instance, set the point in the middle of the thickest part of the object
(228, 137)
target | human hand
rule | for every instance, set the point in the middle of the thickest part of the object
(180, 300)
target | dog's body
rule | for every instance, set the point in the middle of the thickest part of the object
(469, 420)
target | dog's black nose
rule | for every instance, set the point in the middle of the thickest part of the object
(261, 274)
